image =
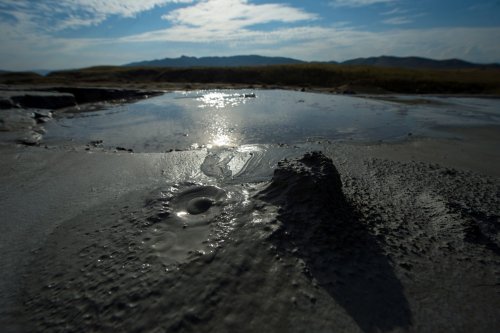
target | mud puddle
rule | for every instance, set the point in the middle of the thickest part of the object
(183, 120)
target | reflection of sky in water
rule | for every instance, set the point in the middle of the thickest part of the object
(231, 118)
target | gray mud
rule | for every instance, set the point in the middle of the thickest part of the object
(24, 113)
(301, 235)
(332, 241)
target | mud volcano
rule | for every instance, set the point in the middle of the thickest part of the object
(320, 226)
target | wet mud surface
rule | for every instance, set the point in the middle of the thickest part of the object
(311, 236)
(186, 120)
(332, 242)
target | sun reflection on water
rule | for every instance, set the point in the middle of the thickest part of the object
(220, 100)
(221, 131)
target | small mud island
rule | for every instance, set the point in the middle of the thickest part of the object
(248, 210)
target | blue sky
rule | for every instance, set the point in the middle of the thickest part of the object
(57, 34)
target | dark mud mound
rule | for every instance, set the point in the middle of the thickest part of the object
(341, 255)
(312, 182)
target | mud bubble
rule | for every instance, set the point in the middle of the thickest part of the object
(191, 219)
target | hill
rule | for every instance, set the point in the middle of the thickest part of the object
(256, 60)
(416, 63)
(234, 61)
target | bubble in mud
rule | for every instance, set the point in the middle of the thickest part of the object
(199, 217)
(199, 205)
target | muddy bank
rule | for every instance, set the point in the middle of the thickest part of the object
(66, 97)
(336, 241)
(23, 113)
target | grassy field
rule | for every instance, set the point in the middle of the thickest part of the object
(333, 77)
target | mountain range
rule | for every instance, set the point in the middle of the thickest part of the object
(256, 60)
(234, 61)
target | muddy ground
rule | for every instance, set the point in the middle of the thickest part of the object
(316, 237)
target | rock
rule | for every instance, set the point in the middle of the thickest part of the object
(123, 149)
(42, 114)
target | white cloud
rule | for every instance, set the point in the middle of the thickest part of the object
(358, 3)
(224, 15)
(225, 20)
(395, 11)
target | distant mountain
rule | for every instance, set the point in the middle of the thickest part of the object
(42, 72)
(256, 60)
(234, 61)
(416, 63)
(2, 71)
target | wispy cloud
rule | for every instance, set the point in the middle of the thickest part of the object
(358, 3)
(53, 15)
(399, 16)
(476, 44)
(398, 20)
(395, 11)
(336, 43)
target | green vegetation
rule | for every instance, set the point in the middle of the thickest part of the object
(323, 76)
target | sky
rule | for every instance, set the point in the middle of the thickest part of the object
(64, 34)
